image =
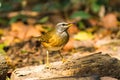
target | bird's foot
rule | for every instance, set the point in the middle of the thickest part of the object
(47, 65)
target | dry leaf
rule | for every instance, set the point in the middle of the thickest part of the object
(83, 35)
(73, 30)
(32, 31)
(40, 28)
(93, 22)
(19, 30)
(69, 45)
(109, 21)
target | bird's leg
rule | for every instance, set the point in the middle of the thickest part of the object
(63, 60)
(47, 60)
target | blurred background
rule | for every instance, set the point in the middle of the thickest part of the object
(53, 11)
(46, 13)
(20, 20)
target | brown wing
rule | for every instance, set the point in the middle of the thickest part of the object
(46, 37)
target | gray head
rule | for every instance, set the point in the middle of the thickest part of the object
(63, 26)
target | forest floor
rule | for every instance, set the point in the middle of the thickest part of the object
(21, 50)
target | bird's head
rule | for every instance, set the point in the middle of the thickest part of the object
(63, 26)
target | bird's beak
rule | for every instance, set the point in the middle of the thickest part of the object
(70, 24)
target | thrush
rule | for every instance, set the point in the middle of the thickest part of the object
(56, 39)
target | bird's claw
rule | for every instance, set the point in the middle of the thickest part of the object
(47, 65)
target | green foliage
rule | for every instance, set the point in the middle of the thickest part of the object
(47, 28)
(103, 2)
(3, 21)
(81, 15)
(52, 6)
(18, 1)
(6, 7)
(37, 8)
(2, 45)
(89, 7)
(24, 51)
(44, 19)
(65, 4)
(95, 7)
(85, 8)
(81, 25)
(96, 4)
(15, 18)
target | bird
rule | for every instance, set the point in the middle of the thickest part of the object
(55, 39)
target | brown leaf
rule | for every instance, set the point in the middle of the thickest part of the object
(32, 31)
(109, 21)
(19, 30)
(69, 45)
(40, 28)
(73, 30)
(93, 22)
(22, 31)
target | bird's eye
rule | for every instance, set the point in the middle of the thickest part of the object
(63, 24)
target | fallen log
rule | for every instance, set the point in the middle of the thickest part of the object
(96, 64)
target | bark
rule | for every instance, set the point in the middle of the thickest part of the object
(76, 67)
